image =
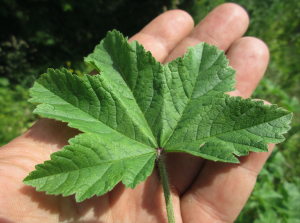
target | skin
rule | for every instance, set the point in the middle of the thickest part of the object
(202, 191)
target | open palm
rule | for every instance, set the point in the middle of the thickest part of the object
(202, 191)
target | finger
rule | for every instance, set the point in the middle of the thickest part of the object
(222, 189)
(249, 56)
(221, 27)
(163, 34)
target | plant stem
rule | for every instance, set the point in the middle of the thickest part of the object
(166, 188)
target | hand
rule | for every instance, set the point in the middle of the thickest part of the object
(202, 191)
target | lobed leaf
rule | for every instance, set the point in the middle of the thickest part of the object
(136, 105)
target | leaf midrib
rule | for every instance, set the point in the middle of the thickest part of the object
(123, 77)
(188, 101)
(92, 166)
(225, 133)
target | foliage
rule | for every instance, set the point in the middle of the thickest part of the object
(137, 109)
(14, 64)
(15, 113)
(274, 199)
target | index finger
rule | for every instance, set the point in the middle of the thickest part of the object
(164, 33)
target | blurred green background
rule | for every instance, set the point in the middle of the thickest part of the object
(37, 34)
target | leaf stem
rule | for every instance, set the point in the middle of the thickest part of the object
(166, 188)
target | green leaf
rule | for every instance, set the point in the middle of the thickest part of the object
(137, 105)
(235, 125)
(292, 200)
(94, 164)
(269, 215)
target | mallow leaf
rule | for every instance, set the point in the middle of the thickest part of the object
(137, 106)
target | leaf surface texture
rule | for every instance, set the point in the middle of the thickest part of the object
(136, 105)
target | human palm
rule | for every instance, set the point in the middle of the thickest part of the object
(202, 191)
